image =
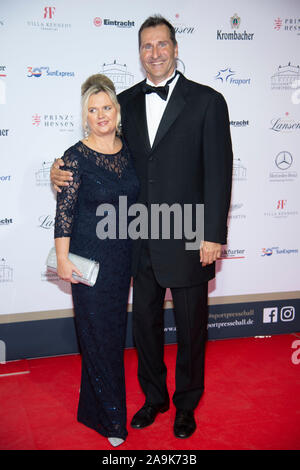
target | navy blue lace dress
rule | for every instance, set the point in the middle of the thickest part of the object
(100, 311)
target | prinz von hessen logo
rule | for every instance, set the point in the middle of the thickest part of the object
(60, 121)
(235, 22)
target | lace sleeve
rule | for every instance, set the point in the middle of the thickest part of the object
(66, 199)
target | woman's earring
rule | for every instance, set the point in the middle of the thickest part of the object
(86, 131)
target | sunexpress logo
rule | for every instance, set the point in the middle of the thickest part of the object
(38, 72)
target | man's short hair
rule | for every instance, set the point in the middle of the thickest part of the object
(157, 20)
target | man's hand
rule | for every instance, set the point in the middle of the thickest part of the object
(59, 177)
(209, 252)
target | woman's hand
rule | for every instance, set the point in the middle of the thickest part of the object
(65, 270)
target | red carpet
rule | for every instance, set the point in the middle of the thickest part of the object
(251, 401)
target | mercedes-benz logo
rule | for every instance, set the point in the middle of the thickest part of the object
(284, 160)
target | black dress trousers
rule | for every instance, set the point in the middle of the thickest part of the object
(191, 315)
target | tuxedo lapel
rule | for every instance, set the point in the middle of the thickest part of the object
(138, 111)
(172, 111)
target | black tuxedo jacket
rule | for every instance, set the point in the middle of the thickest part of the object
(190, 162)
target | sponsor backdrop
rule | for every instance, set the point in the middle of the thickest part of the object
(249, 51)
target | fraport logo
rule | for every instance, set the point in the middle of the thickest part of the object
(38, 72)
(228, 76)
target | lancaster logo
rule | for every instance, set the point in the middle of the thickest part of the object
(46, 222)
(285, 124)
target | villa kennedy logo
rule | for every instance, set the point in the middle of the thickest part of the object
(285, 124)
(280, 210)
(49, 12)
(235, 22)
(48, 20)
(98, 22)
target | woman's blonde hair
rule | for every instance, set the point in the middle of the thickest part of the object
(93, 85)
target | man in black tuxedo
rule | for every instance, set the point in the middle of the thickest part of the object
(182, 152)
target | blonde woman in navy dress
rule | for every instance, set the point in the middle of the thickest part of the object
(102, 171)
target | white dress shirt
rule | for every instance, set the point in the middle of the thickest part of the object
(155, 107)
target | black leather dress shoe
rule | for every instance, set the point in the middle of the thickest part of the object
(184, 424)
(147, 414)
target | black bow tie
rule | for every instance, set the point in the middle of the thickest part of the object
(162, 91)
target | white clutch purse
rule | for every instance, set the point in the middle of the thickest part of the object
(89, 268)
